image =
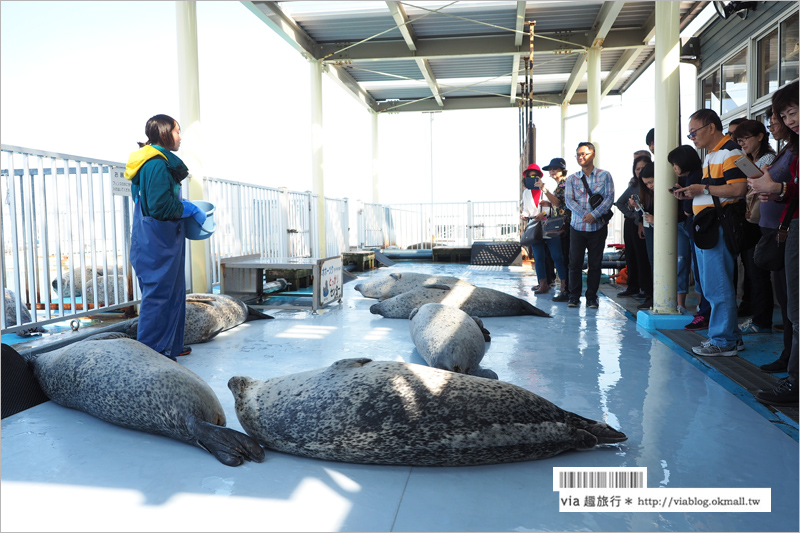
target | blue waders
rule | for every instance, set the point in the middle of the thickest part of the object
(158, 253)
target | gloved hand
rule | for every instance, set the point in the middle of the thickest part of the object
(191, 210)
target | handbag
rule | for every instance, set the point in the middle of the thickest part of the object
(532, 234)
(771, 248)
(554, 227)
(731, 218)
(596, 199)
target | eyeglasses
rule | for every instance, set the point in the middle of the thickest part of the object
(740, 140)
(693, 134)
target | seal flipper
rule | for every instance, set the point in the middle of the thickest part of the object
(484, 373)
(255, 314)
(605, 434)
(486, 335)
(531, 309)
(441, 286)
(229, 446)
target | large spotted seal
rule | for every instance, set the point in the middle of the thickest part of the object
(399, 282)
(208, 315)
(450, 339)
(10, 310)
(122, 381)
(475, 301)
(386, 412)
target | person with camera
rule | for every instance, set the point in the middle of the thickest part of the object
(589, 195)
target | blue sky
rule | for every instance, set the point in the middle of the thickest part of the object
(82, 78)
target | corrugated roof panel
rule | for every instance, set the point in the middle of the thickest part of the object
(634, 15)
(411, 93)
(502, 14)
(556, 16)
(470, 67)
(366, 71)
(481, 90)
(546, 63)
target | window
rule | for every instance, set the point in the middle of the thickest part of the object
(767, 64)
(711, 91)
(734, 82)
(789, 46)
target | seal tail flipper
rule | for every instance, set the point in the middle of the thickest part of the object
(255, 314)
(484, 373)
(531, 309)
(229, 446)
(486, 335)
(605, 434)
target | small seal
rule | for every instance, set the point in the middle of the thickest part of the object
(208, 315)
(450, 339)
(387, 412)
(399, 282)
(475, 301)
(122, 381)
(10, 309)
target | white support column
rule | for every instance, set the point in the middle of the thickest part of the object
(317, 182)
(191, 144)
(564, 108)
(667, 65)
(593, 98)
(375, 159)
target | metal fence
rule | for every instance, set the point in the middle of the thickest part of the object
(65, 235)
(438, 224)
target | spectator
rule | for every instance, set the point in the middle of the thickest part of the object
(650, 140)
(645, 222)
(770, 215)
(687, 165)
(539, 208)
(558, 172)
(733, 124)
(588, 226)
(636, 262)
(723, 179)
(753, 137)
(785, 103)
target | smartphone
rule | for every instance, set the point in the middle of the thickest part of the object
(748, 167)
(675, 188)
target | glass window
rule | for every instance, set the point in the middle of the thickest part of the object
(734, 82)
(711, 91)
(767, 64)
(789, 37)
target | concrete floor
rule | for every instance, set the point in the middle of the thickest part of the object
(63, 470)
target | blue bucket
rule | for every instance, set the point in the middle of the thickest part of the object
(195, 231)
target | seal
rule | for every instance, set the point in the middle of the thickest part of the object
(122, 381)
(105, 285)
(399, 282)
(450, 339)
(81, 281)
(475, 301)
(208, 315)
(387, 412)
(10, 309)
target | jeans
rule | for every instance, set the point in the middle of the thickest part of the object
(554, 245)
(684, 259)
(791, 259)
(716, 274)
(592, 242)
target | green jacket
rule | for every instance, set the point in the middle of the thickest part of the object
(156, 174)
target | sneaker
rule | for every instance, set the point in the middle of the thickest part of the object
(712, 350)
(740, 347)
(574, 303)
(698, 323)
(592, 304)
(749, 327)
(682, 310)
(640, 296)
(562, 297)
(647, 304)
(186, 350)
(785, 393)
(628, 292)
(775, 367)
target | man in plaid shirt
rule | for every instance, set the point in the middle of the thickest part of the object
(588, 226)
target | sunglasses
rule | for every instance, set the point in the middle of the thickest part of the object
(693, 134)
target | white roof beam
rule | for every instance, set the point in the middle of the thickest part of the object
(403, 24)
(516, 57)
(602, 25)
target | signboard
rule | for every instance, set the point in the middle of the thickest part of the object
(119, 185)
(330, 279)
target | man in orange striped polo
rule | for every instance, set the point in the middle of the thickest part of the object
(723, 179)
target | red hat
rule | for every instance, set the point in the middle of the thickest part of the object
(533, 166)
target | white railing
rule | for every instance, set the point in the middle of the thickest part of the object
(439, 224)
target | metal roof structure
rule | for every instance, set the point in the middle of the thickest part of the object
(432, 55)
